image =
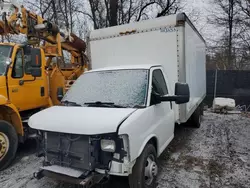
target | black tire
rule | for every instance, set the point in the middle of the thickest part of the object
(202, 109)
(196, 118)
(138, 178)
(8, 131)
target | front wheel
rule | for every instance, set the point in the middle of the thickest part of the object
(8, 144)
(145, 170)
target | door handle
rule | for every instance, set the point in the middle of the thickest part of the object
(14, 90)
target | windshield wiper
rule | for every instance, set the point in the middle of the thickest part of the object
(104, 104)
(71, 103)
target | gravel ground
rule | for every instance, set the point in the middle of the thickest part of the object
(216, 155)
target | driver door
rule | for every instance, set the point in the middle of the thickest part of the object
(163, 113)
(25, 92)
(15, 74)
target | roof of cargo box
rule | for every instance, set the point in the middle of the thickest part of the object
(164, 21)
(126, 67)
(170, 20)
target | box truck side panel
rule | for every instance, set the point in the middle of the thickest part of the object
(153, 47)
(195, 59)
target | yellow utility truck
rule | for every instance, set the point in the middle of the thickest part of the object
(33, 75)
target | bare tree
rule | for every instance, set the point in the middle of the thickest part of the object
(105, 13)
(61, 12)
(245, 7)
(245, 21)
(42, 7)
(226, 17)
(244, 36)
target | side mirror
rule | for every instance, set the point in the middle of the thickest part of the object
(60, 93)
(182, 94)
(36, 72)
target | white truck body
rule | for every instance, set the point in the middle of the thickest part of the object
(127, 101)
(178, 47)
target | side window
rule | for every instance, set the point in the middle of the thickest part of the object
(32, 58)
(17, 71)
(159, 83)
(27, 65)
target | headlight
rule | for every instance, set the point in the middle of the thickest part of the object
(108, 145)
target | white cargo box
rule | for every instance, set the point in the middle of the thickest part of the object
(171, 41)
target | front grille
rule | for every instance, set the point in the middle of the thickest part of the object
(75, 151)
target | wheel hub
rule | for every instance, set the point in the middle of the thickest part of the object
(151, 170)
(4, 145)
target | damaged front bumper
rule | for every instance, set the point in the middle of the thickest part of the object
(72, 176)
(80, 159)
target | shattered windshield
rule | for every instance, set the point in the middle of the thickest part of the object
(126, 88)
(4, 56)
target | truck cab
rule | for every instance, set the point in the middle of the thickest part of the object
(23, 91)
(19, 84)
(116, 115)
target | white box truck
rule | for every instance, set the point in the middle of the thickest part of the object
(120, 116)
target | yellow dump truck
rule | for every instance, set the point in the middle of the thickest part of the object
(33, 75)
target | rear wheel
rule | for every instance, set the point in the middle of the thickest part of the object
(145, 169)
(202, 109)
(8, 144)
(196, 117)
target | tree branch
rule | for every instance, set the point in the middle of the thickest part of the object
(85, 13)
(143, 8)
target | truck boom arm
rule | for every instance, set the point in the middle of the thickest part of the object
(15, 19)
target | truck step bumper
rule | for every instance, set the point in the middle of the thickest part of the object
(75, 177)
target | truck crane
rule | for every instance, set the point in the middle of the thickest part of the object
(33, 75)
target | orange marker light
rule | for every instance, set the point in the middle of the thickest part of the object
(37, 62)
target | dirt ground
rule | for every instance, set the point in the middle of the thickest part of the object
(216, 155)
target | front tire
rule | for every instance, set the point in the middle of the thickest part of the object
(145, 170)
(8, 144)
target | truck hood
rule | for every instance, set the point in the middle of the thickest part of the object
(79, 120)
